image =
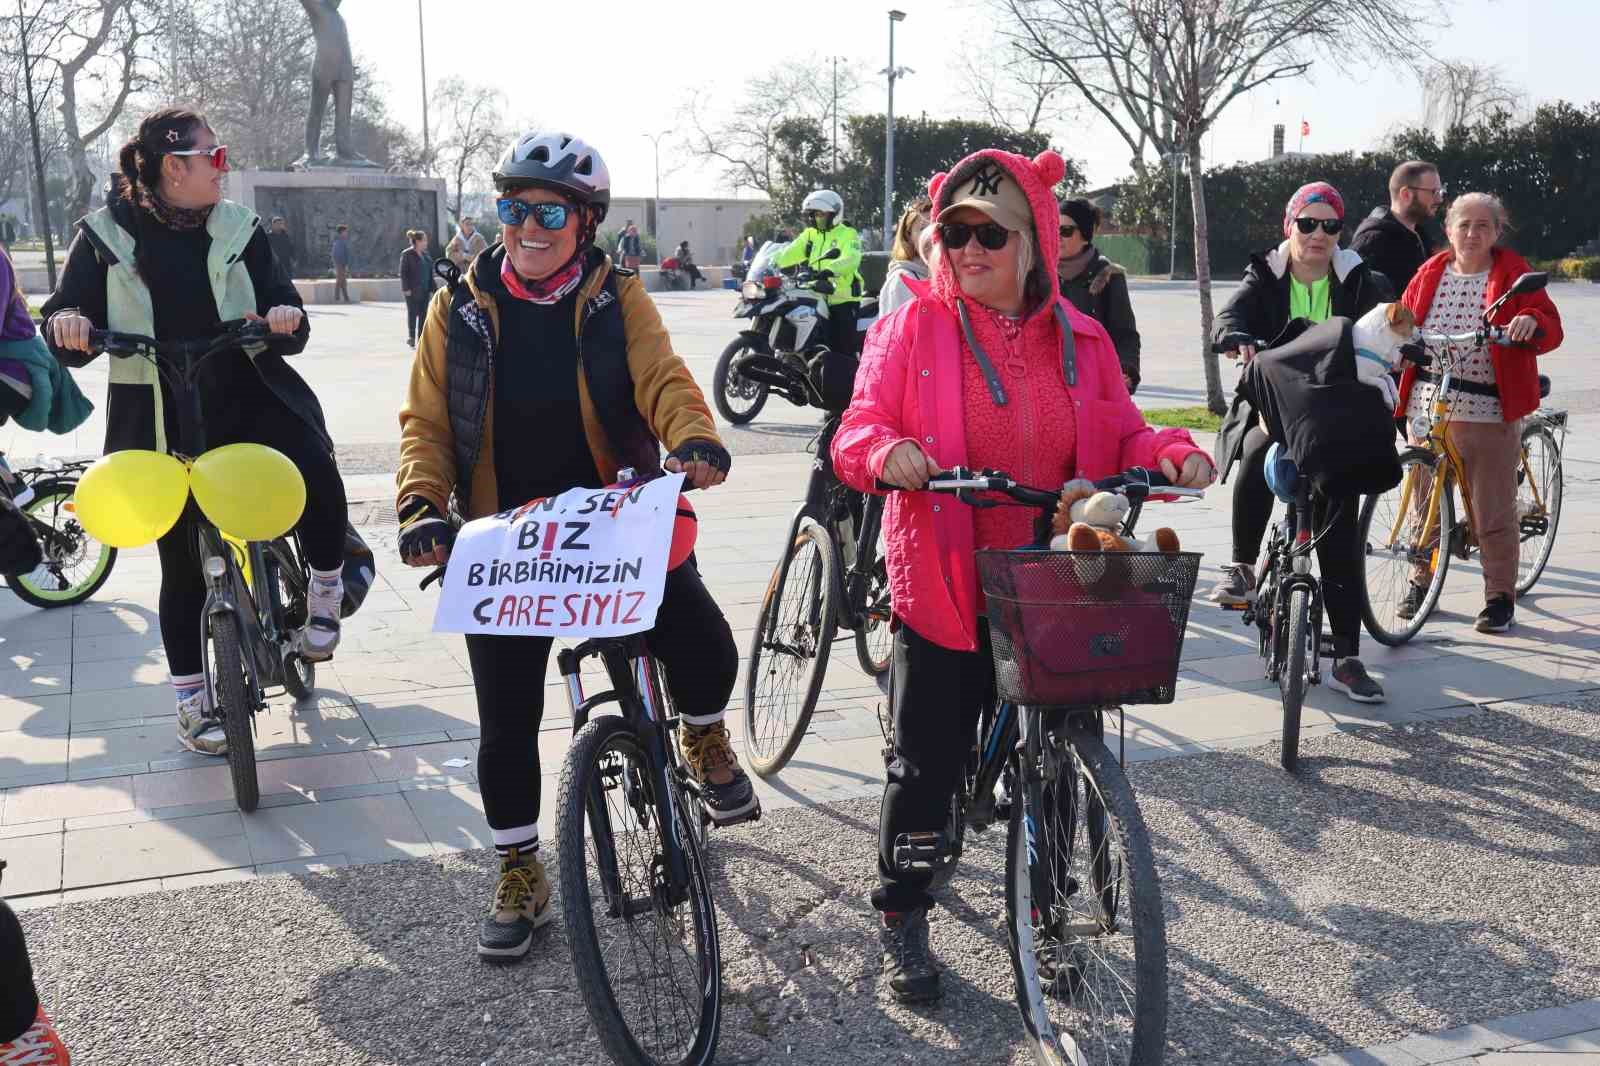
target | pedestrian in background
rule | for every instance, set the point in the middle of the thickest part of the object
(1097, 286)
(908, 259)
(282, 244)
(341, 264)
(466, 244)
(630, 248)
(416, 282)
(1392, 240)
(748, 254)
(8, 233)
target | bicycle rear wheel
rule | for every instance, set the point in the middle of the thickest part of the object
(75, 564)
(648, 965)
(789, 651)
(1292, 678)
(230, 698)
(1539, 484)
(1399, 545)
(1083, 907)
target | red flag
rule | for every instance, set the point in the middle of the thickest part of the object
(1305, 128)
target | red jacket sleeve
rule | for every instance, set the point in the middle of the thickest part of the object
(1543, 309)
(872, 425)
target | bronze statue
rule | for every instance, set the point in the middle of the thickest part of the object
(333, 73)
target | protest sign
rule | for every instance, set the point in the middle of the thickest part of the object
(587, 563)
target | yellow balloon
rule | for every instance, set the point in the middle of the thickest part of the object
(249, 490)
(129, 499)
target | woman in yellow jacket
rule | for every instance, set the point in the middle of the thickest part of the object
(545, 368)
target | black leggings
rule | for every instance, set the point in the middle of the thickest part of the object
(321, 528)
(936, 695)
(19, 1000)
(1339, 552)
(696, 650)
(842, 334)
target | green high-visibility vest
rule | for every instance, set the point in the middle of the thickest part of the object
(128, 306)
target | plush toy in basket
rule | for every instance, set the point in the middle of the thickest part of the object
(1090, 520)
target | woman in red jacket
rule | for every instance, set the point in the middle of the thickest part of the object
(988, 366)
(1494, 386)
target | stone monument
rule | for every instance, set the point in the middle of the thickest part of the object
(318, 193)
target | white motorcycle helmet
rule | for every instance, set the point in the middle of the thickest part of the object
(828, 202)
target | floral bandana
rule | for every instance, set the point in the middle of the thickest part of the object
(178, 218)
(1318, 192)
(548, 291)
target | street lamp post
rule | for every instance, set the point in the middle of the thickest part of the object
(888, 133)
(650, 216)
(422, 55)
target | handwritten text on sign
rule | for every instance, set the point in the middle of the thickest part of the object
(587, 563)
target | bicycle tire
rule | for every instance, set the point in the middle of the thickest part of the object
(1121, 872)
(50, 496)
(583, 777)
(230, 696)
(1549, 481)
(721, 379)
(1382, 586)
(773, 730)
(1292, 681)
(874, 641)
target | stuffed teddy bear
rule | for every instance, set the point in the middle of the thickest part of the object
(1089, 520)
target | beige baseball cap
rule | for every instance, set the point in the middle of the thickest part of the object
(996, 193)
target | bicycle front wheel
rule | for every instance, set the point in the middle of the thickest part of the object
(1401, 549)
(789, 651)
(1083, 909)
(230, 697)
(1292, 679)
(874, 641)
(75, 564)
(645, 951)
(1538, 501)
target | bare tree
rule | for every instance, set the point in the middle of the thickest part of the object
(745, 140)
(31, 35)
(1461, 93)
(1015, 91)
(1161, 72)
(471, 122)
(105, 47)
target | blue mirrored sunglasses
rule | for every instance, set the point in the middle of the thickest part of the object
(548, 216)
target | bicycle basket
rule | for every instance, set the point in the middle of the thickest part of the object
(1077, 629)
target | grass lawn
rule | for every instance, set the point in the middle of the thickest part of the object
(1183, 417)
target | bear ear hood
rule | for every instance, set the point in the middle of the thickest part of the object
(1036, 178)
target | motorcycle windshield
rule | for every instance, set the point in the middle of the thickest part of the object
(762, 265)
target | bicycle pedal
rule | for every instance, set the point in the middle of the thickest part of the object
(921, 852)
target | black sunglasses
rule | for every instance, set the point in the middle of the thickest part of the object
(549, 216)
(1329, 225)
(991, 235)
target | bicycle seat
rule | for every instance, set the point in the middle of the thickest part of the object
(1544, 386)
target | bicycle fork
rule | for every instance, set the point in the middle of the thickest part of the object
(646, 787)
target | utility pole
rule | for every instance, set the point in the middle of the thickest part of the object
(650, 217)
(836, 119)
(42, 225)
(1173, 161)
(422, 53)
(888, 135)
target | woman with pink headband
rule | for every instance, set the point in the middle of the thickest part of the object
(1307, 276)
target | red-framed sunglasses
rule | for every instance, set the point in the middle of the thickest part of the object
(218, 155)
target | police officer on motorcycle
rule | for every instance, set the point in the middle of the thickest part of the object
(831, 251)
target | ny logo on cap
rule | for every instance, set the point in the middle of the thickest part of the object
(987, 181)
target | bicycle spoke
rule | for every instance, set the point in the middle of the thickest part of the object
(650, 949)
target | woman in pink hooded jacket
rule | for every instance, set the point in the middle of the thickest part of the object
(988, 367)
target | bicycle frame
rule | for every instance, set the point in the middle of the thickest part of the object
(1290, 551)
(636, 689)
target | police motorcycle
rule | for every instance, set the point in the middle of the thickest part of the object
(784, 347)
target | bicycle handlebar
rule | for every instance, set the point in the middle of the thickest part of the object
(1137, 482)
(232, 334)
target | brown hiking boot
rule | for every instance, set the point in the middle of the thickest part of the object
(521, 905)
(725, 788)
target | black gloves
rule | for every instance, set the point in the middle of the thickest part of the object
(422, 530)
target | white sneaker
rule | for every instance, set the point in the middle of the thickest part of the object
(197, 730)
(320, 636)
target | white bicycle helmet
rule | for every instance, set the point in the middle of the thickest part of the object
(550, 159)
(827, 201)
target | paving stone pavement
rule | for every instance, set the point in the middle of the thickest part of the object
(97, 800)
